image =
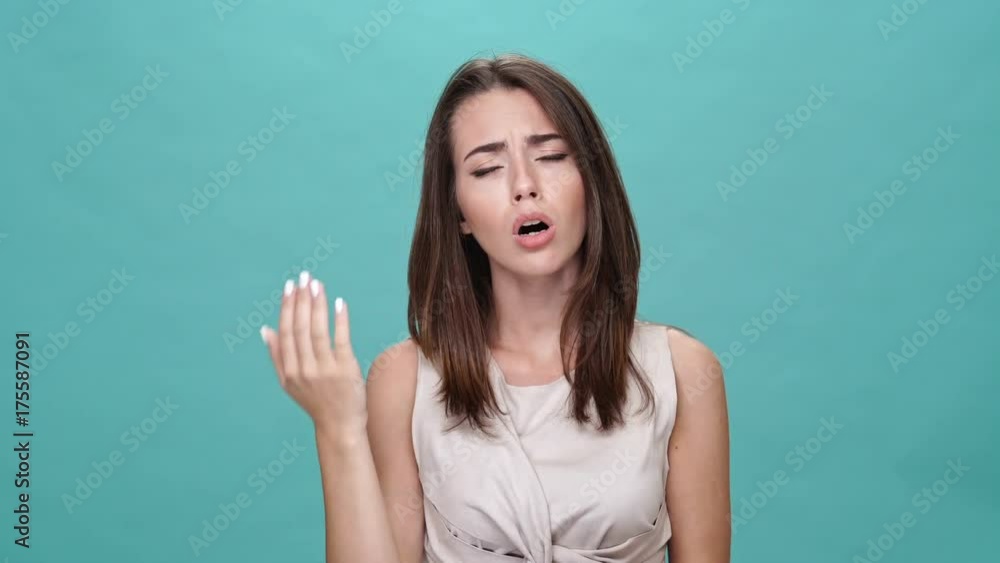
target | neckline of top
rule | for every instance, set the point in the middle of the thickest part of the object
(499, 373)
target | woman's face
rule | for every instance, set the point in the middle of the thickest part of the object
(510, 162)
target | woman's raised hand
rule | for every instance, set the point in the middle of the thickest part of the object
(325, 381)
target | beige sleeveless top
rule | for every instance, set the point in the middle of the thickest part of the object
(547, 490)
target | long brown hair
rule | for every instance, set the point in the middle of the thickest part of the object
(449, 279)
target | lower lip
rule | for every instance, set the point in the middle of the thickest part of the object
(536, 241)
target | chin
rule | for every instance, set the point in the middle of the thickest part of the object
(543, 263)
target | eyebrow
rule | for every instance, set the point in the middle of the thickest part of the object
(532, 140)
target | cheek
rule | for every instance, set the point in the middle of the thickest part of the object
(567, 186)
(564, 181)
(476, 205)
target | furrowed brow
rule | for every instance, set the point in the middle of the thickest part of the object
(532, 140)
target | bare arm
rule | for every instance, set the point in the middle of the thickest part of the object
(391, 391)
(356, 520)
(698, 497)
(372, 493)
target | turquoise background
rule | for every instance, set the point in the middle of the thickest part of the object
(318, 196)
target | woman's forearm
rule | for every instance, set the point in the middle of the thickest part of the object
(357, 524)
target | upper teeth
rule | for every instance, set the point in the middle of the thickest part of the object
(529, 223)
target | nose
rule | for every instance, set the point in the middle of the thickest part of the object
(523, 181)
(521, 193)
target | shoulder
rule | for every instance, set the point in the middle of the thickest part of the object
(696, 367)
(402, 354)
(392, 381)
(702, 410)
(691, 356)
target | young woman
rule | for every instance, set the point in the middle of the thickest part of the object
(530, 416)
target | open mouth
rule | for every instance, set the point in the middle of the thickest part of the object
(532, 228)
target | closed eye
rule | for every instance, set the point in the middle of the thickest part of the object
(558, 156)
(551, 158)
(484, 171)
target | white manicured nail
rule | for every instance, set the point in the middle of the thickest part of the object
(263, 333)
(303, 278)
(338, 304)
(314, 287)
(289, 286)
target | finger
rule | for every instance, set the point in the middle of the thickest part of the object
(320, 322)
(302, 325)
(342, 330)
(286, 336)
(271, 341)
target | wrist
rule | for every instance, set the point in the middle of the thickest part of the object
(341, 436)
